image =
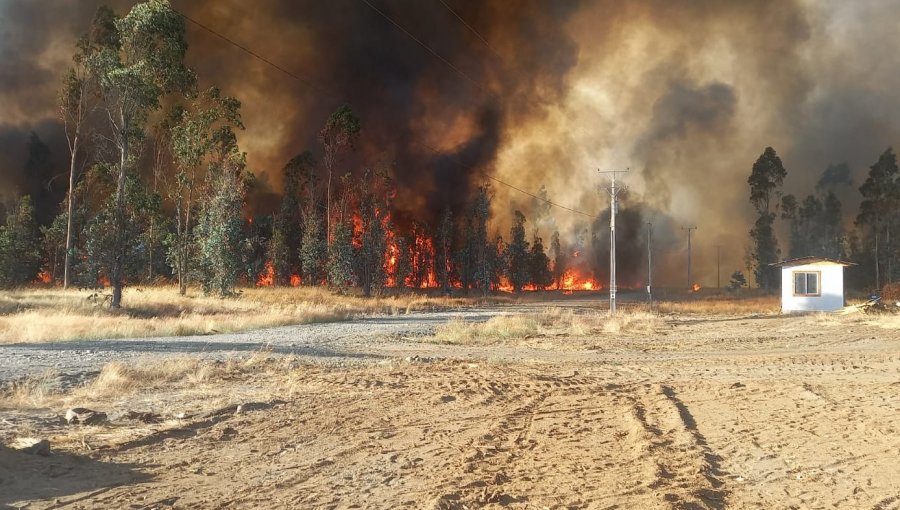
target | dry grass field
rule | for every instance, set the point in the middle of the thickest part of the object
(45, 314)
(680, 411)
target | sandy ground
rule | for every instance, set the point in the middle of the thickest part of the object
(706, 412)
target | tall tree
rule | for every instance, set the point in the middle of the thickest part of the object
(557, 261)
(206, 126)
(340, 258)
(289, 221)
(517, 253)
(373, 195)
(444, 249)
(481, 209)
(146, 63)
(20, 255)
(539, 273)
(765, 181)
(220, 228)
(339, 133)
(878, 212)
(77, 100)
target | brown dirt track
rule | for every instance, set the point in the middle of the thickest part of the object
(707, 412)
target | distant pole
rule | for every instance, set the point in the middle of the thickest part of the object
(650, 265)
(613, 209)
(718, 266)
(690, 282)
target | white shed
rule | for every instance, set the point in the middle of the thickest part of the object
(812, 284)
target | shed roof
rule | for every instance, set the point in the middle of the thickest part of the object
(802, 261)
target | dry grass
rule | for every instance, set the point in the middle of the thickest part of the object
(722, 305)
(117, 380)
(39, 315)
(558, 322)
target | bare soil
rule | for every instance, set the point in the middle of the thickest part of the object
(713, 412)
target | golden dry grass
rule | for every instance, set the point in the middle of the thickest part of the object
(549, 322)
(721, 305)
(117, 380)
(48, 314)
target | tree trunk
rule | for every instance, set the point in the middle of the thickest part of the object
(119, 261)
(877, 269)
(68, 260)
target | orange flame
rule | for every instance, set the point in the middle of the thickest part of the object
(695, 287)
(103, 281)
(295, 280)
(571, 280)
(267, 277)
(43, 277)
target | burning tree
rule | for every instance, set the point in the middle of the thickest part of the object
(373, 196)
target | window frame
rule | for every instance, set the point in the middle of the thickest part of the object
(806, 272)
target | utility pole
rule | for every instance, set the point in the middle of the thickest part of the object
(718, 266)
(650, 265)
(690, 283)
(613, 209)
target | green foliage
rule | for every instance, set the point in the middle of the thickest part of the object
(340, 258)
(373, 194)
(737, 281)
(220, 227)
(557, 259)
(766, 177)
(141, 61)
(539, 265)
(879, 215)
(764, 252)
(288, 232)
(481, 211)
(20, 256)
(517, 253)
(765, 180)
(313, 247)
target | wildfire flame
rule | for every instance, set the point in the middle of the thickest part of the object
(295, 280)
(571, 280)
(267, 277)
(103, 281)
(695, 287)
(43, 277)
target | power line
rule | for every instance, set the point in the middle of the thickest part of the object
(322, 90)
(461, 20)
(252, 53)
(414, 38)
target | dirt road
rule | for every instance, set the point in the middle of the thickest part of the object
(706, 412)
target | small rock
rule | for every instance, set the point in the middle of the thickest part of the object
(84, 416)
(738, 385)
(448, 398)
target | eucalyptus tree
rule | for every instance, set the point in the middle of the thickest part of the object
(765, 181)
(145, 63)
(208, 122)
(339, 133)
(77, 100)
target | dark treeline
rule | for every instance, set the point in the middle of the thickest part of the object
(815, 224)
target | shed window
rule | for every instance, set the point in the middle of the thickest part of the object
(806, 283)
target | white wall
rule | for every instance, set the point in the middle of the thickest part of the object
(831, 281)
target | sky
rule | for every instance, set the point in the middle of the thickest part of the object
(684, 94)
